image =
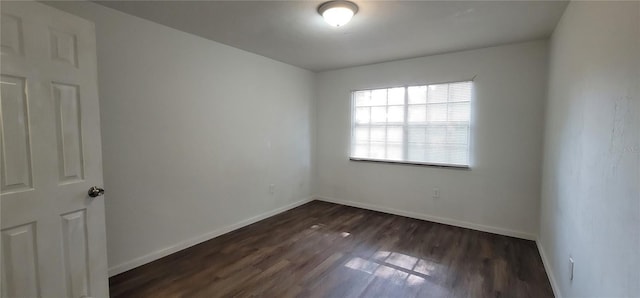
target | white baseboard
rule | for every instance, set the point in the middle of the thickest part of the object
(128, 265)
(547, 267)
(442, 220)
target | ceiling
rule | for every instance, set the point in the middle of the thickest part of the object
(293, 32)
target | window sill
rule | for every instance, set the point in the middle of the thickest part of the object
(411, 163)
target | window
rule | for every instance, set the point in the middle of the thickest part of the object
(427, 124)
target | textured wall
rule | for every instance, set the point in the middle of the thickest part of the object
(591, 196)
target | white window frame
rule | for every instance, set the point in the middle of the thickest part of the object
(405, 128)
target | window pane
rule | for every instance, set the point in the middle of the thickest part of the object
(379, 97)
(437, 153)
(437, 93)
(458, 111)
(379, 114)
(458, 155)
(436, 134)
(377, 150)
(417, 134)
(363, 98)
(361, 134)
(394, 151)
(458, 134)
(378, 134)
(460, 92)
(362, 115)
(416, 152)
(426, 124)
(417, 94)
(394, 134)
(417, 113)
(360, 150)
(396, 96)
(395, 114)
(437, 112)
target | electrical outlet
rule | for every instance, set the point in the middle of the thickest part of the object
(571, 265)
(436, 193)
(272, 188)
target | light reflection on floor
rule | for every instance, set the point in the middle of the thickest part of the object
(397, 268)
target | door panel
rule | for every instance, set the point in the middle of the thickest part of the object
(69, 124)
(53, 233)
(63, 47)
(11, 34)
(16, 147)
(20, 261)
(75, 253)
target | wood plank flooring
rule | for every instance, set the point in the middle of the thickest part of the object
(327, 250)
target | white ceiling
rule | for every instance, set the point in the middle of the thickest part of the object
(293, 32)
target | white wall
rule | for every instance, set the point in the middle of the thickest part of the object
(501, 192)
(193, 133)
(591, 194)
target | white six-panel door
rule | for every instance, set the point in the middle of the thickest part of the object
(53, 233)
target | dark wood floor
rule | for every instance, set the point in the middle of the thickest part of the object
(327, 250)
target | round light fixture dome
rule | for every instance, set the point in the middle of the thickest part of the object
(337, 13)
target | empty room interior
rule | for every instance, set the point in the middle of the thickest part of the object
(320, 149)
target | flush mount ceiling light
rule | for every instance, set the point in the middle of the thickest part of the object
(337, 13)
